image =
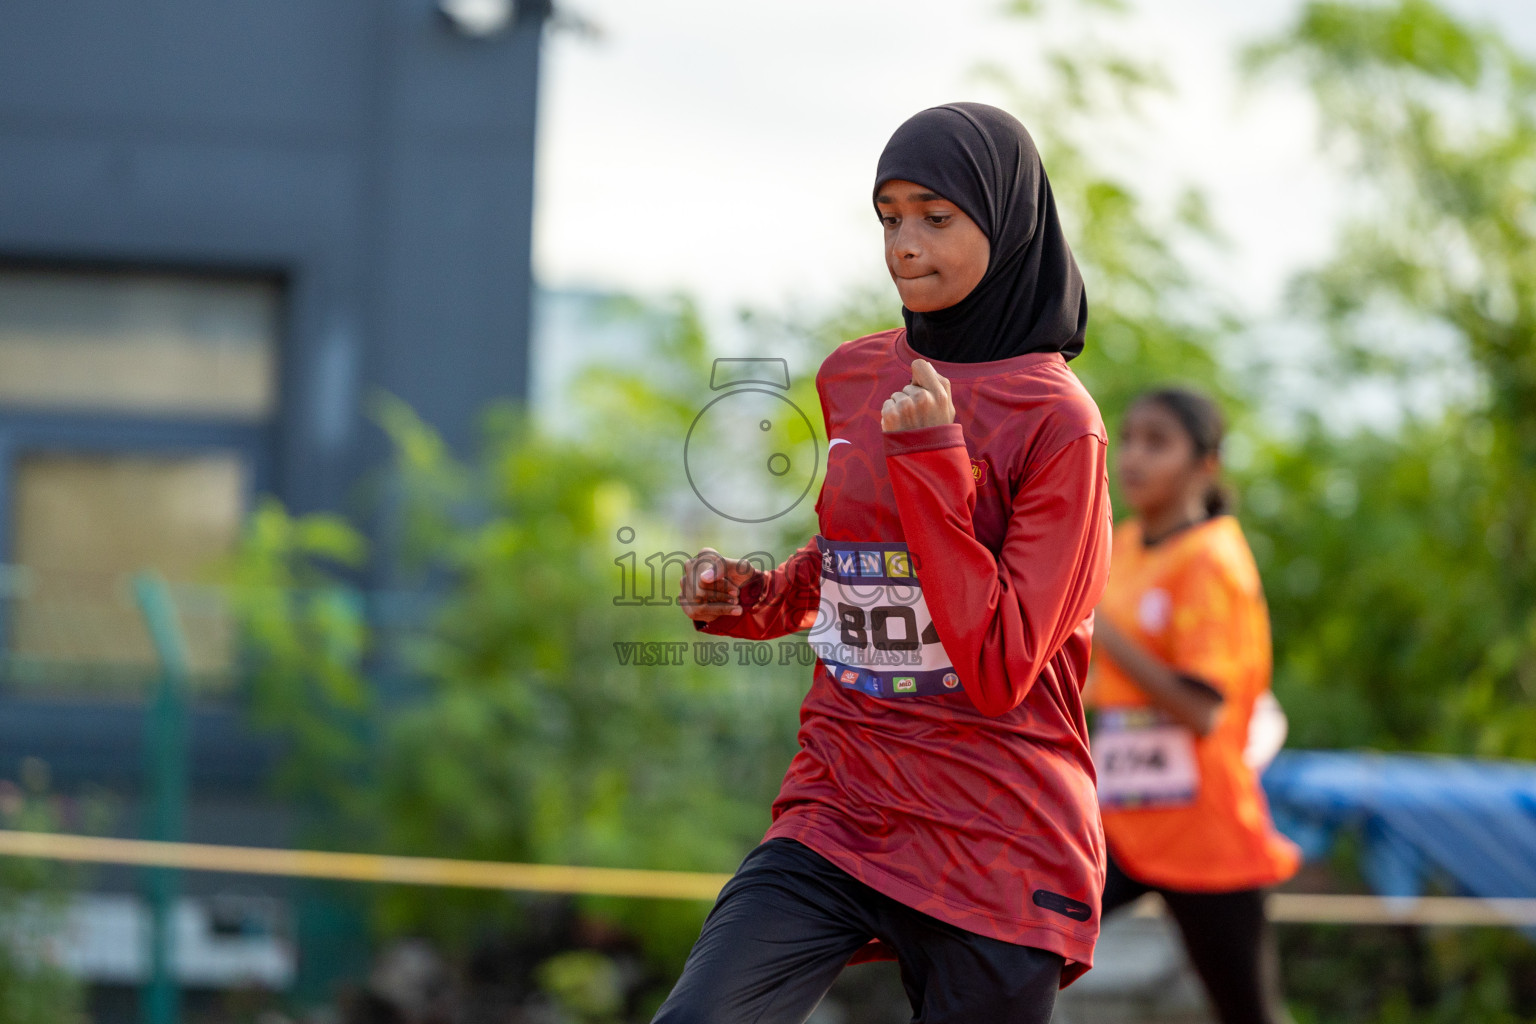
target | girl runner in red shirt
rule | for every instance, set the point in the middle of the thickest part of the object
(941, 807)
(1183, 661)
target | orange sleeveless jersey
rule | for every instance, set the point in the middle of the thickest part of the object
(1194, 601)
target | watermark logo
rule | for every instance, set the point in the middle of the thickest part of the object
(762, 653)
(751, 454)
(655, 579)
(854, 627)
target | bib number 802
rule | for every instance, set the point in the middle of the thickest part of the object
(861, 627)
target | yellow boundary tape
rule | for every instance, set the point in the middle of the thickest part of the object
(364, 867)
(667, 885)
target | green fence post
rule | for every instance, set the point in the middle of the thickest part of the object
(165, 746)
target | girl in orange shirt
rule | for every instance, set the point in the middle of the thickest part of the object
(1182, 659)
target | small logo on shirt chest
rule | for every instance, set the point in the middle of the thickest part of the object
(979, 471)
(1154, 611)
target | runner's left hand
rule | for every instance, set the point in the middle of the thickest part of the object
(923, 403)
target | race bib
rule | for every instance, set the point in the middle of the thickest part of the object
(873, 632)
(1143, 760)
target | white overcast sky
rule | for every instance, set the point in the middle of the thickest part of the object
(727, 149)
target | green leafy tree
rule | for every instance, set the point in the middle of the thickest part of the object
(521, 723)
(1151, 317)
(535, 737)
(305, 640)
(1409, 604)
(1398, 559)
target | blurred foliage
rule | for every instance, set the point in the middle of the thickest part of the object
(306, 637)
(1406, 605)
(536, 741)
(522, 733)
(585, 984)
(1338, 974)
(1399, 563)
(1151, 318)
(34, 987)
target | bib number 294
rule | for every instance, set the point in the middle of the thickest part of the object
(1143, 760)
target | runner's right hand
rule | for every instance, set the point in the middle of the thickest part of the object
(711, 585)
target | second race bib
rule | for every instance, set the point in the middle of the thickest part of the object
(1143, 760)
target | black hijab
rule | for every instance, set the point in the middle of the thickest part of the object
(1031, 297)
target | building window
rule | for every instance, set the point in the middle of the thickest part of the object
(146, 344)
(135, 415)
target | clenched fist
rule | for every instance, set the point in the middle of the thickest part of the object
(923, 403)
(711, 585)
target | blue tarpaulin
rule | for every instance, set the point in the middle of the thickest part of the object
(1466, 824)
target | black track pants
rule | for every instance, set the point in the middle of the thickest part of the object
(786, 924)
(1229, 944)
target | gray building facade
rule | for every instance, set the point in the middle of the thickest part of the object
(224, 228)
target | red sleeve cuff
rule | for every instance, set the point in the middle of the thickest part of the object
(924, 439)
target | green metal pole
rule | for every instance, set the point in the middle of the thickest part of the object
(165, 746)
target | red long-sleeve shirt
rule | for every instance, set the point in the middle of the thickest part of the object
(943, 750)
